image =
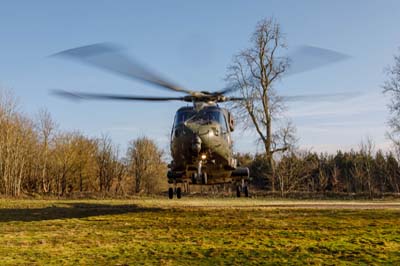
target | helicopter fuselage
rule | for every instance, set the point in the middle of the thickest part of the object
(201, 146)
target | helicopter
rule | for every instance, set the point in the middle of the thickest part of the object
(201, 137)
(200, 141)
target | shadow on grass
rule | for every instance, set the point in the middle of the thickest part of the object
(71, 210)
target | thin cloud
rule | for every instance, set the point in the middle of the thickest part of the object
(367, 103)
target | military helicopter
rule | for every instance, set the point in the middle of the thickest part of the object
(201, 141)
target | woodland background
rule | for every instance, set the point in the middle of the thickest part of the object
(38, 159)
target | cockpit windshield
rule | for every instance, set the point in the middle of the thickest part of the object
(204, 116)
(210, 116)
(183, 116)
(207, 116)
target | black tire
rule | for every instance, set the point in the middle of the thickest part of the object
(178, 192)
(170, 193)
(238, 191)
(246, 191)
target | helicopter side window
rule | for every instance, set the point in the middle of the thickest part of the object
(222, 119)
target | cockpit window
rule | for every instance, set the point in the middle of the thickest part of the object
(183, 116)
(208, 116)
(204, 116)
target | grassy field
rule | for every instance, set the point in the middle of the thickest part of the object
(198, 232)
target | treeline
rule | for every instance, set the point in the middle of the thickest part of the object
(361, 172)
(36, 157)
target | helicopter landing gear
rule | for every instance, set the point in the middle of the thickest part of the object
(194, 178)
(238, 189)
(243, 187)
(204, 178)
(246, 191)
(175, 190)
(178, 192)
(201, 178)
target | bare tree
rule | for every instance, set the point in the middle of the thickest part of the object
(45, 127)
(367, 148)
(107, 162)
(86, 167)
(121, 178)
(146, 166)
(65, 157)
(17, 145)
(254, 72)
(392, 87)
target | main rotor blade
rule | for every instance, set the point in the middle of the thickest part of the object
(111, 58)
(334, 97)
(227, 99)
(302, 59)
(306, 58)
(225, 91)
(98, 96)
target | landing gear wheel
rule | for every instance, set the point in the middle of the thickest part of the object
(238, 191)
(170, 193)
(246, 191)
(178, 192)
(204, 178)
(194, 178)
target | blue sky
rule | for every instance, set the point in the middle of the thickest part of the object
(192, 43)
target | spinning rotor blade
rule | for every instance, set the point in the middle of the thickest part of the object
(224, 91)
(320, 97)
(303, 59)
(98, 96)
(232, 99)
(306, 58)
(110, 57)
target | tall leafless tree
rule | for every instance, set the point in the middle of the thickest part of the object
(254, 72)
(392, 87)
(45, 127)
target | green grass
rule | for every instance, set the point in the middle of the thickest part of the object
(197, 232)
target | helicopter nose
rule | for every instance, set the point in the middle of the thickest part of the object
(203, 134)
(196, 144)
